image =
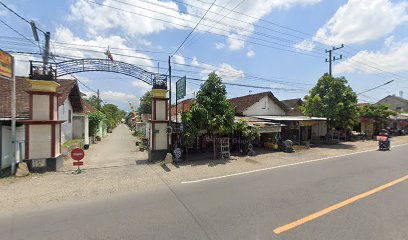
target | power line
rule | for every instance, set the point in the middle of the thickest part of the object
(18, 15)
(220, 34)
(14, 30)
(198, 23)
(371, 89)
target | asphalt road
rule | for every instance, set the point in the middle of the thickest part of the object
(248, 206)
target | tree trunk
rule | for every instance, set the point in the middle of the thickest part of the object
(214, 149)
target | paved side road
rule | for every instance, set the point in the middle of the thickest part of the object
(117, 149)
(246, 206)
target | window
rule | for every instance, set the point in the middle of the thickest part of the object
(69, 116)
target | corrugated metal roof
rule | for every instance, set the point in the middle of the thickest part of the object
(290, 118)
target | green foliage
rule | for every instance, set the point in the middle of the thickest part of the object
(243, 129)
(113, 115)
(95, 102)
(333, 99)
(211, 111)
(379, 112)
(94, 119)
(146, 104)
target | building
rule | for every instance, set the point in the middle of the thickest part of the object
(395, 103)
(293, 106)
(183, 106)
(267, 108)
(69, 104)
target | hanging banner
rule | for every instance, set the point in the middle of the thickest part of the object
(6, 65)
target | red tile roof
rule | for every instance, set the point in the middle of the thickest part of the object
(180, 106)
(244, 102)
(68, 88)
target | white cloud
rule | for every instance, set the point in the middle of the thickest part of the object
(99, 19)
(83, 79)
(250, 53)
(360, 21)
(227, 72)
(304, 46)
(234, 42)
(135, 18)
(219, 46)
(194, 62)
(117, 96)
(179, 59)
(65, 35)
(141, 86)
(22, 67)
(392, 58)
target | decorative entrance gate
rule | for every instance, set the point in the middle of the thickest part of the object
(159, 139)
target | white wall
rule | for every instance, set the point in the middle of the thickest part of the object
(66, 127)
(41, 107)
(40, 143)
(78, 127)
(265, 106)
(6, 151)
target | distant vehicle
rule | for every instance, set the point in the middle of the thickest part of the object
(383, 138)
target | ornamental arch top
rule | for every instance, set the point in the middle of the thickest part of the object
(59, 69)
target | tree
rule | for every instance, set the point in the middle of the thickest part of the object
(146, 104)
(333, 99)
(113, 114)
(210, 111)
(94, 119)
(242, 128)
(95, 102)
(379, 112)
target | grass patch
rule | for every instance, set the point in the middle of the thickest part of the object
(72, 142)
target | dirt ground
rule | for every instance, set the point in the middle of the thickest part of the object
(115, 166)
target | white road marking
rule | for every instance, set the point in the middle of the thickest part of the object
(285, 165)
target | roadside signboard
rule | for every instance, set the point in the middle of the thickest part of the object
(181, 88)
(77, 154)
(6, 65)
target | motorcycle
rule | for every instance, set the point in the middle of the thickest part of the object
(383, 143)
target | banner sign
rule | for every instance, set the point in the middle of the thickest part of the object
(6, 65)
(181, 88)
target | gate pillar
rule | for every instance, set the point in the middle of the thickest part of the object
(159, 139)
(43, 128)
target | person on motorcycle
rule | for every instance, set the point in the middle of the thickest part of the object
(384, 133)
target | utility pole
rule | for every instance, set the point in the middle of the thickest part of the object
(46, 53)
(98, 101)
(334, 58)
(170, 141)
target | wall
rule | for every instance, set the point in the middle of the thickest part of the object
(78, 127)
(394, 103)
(6, 151)
(265, 106)
(320, 129)
(66, 127)
(40, 144)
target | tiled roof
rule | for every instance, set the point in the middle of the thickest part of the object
(68, 88)
(293, 106)
(22, 98)
(184, 105)
(244, 102)
(88, 108)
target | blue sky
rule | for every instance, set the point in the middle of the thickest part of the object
(239, 39)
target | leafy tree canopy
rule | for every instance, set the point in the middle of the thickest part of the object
(333, 99)
(242, 128)
(146, 104)
(211, 110)
(379, 112)
(94, 101)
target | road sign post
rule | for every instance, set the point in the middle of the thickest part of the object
(180, 91)
(7, 72)
(77, 154)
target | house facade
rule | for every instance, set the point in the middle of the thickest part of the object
(68, 102)
(395, 103)
(267, 108)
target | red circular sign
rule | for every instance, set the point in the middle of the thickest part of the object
(77, 154)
